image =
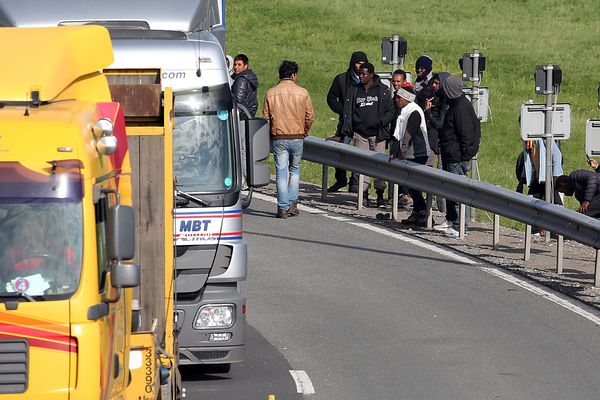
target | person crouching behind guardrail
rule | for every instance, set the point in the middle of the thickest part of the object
(410, 142)
(585, 186)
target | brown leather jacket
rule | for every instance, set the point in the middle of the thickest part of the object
(289, 110)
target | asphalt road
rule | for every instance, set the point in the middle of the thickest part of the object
(367, 315)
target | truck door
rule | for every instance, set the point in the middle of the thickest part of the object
(112, 325)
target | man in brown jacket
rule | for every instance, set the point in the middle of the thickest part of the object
(289, 110)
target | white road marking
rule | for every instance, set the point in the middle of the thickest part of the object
(490, 270)
(405, 238)
(338, 218)
(399, 236)
(542, 292)
(303, 383)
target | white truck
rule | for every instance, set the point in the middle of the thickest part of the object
(208, 143)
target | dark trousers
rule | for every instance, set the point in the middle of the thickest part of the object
(452, 208)
(341, 177)
(417, 197)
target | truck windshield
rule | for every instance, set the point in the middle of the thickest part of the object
(203, 140)
(40, 232)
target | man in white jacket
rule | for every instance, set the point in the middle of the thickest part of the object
(410, 143)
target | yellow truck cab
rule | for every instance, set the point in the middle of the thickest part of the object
(66, 221)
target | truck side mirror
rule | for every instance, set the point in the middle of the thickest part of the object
(125, 275)
(121, 233)
(257, 150)
(121, 246)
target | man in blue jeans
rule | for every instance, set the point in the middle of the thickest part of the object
(289, 110)
(459, 142)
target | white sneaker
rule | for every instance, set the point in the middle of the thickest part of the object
(451, 233)
(443, 226)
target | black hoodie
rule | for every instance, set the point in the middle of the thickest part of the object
(339, 87)
(368, 112)
(244, 89)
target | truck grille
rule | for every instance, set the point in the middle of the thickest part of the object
(210, 355)
(14, 356)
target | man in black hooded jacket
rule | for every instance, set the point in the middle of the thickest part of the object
(335, 100)
(368, 112)
(245, 86)
(459, 143)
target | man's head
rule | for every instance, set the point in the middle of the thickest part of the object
(288, 70)
(366, 72)
(398, 78)
(435, 82)
(452, 87)
(423, 66)
(564, 184)
(240, 63)
(403, 96)
(358, 58)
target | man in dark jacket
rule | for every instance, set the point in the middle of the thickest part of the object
(368, 111)
(335, 100)
(459, 142)
(423, 84)
(245, 86)
(585, 185)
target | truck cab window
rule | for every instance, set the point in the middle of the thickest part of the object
(101, 211)
(41, 234)
(203, 151)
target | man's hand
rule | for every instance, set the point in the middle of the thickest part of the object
(334, 138)
(583, 207)
(593, 163)
(428, 103)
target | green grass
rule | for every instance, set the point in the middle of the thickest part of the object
(514, 35)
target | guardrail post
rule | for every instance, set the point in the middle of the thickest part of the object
(527, 255)
(429, 202)
(560, 241)
(461, 224)
(395, 203)
(597, 269)
(496, 240)
(361, 183)
(474, 175)
(324, 181)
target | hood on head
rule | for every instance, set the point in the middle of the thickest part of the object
(453, 87)
(357, 56)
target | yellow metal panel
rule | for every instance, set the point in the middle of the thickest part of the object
(169, 215)
(144, 372)
(145, 131)
(49, 59)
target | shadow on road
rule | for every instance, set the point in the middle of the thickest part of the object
(265, 372)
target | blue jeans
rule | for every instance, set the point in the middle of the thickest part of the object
(287, 154)
(452, 208)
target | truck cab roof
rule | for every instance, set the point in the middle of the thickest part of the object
(174, 15)
(184, 64)
(45, 61)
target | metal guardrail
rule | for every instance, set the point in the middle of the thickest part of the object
(460, 189)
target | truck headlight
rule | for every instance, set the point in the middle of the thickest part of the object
(213, 316)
